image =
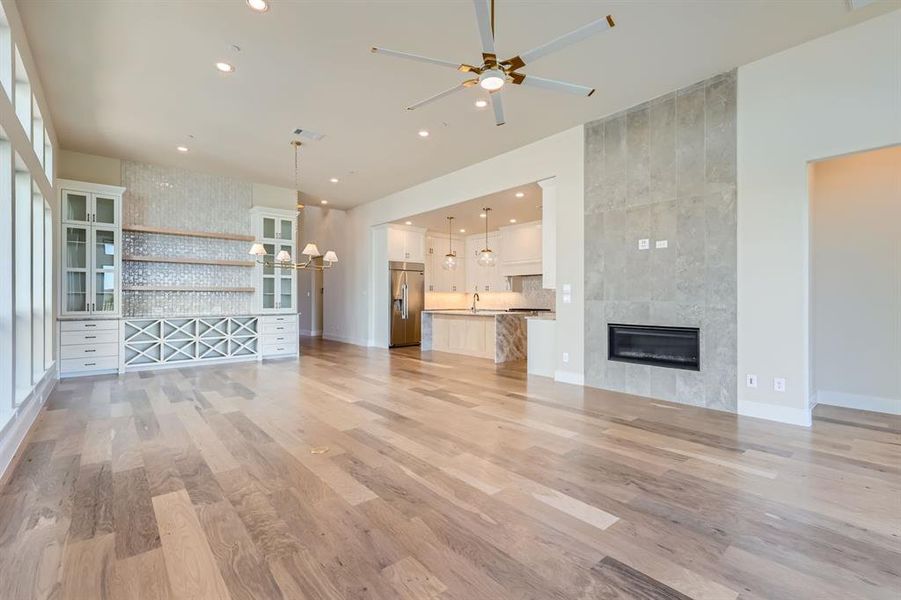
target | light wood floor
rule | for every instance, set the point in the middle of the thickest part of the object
(359, 473)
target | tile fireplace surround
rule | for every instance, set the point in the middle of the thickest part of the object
(664, 171)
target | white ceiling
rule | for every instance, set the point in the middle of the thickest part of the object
(134, 79)
(504, 206)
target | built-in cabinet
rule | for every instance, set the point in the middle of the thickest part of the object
(437, 279)
(484, 279)
(522, 249)
(406, 244)
(91, 249)
(276, 287)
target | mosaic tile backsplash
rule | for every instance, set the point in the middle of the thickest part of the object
(160, 196)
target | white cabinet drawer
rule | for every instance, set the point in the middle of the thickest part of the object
(77, 365)
(279, 338)
(90, 336)
(89, 351)
(104, 324)
(278, 349)
(280, 328)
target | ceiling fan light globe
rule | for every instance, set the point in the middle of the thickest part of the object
(449, 263)
(492, 80)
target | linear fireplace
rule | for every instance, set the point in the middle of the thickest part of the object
(675, 347)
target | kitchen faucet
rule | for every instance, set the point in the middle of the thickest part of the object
(475, 298)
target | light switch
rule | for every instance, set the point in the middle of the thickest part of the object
(661, 244)
(644, 244)
(566, 357)
(752, 381)
(567, 288)
(567, 299)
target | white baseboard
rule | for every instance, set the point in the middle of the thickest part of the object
(569, 377)
(12, 436)
(342, 338)
(774, 412)
(311, 332)
(860, 401)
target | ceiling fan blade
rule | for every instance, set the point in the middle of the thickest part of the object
(586, 31)
(424, 59)
(461, 86)
(485, 20)
(554, 85)
(498, 105)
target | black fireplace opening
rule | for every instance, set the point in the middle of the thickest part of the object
(674, 347)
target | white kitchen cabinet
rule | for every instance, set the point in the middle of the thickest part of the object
(522, 249)
(437, 279)
(276, 287)
(406, 244)
(90, 249)
(484, 279)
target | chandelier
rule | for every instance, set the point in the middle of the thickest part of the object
(283, 259)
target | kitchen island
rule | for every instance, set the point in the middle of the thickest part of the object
(495, 334)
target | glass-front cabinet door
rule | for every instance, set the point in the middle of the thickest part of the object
(286, 280)
(75, 282)
(278, 229)
(76, 207)
(269, 279)
(104, 258)
(105, 210)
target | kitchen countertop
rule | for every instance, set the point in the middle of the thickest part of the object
(465, 312)
(542, 317)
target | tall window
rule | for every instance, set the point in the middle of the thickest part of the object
(37, 285)
(22, 92)
(7, 277)
(48, 286)
(23, 214)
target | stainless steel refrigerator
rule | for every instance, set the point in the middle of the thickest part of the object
(407, 300)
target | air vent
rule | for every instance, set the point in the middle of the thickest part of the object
(308, 134)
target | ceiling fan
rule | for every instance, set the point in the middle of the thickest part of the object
(492, 74)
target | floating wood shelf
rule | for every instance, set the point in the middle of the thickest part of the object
(190, 261)
(184, 288)
(185, 233)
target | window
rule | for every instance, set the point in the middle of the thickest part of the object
(6, 57)
(7, 322)
(48, 286)
(37, 285)
(23, 214)
(23, 100)
(48, 156)
(38, 131)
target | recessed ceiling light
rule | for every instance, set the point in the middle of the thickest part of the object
(483, 215)
(423, 133)
(513, 220)
(520, 194)
(258, 5)
(225, 67)
(334, 180)
(481, 103)
(408, 222)
(323, 202)
(181, 148)
(462, 231)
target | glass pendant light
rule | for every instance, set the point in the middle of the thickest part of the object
(487, 257)
(450, 259)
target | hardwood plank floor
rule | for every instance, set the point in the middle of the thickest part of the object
(357, 473)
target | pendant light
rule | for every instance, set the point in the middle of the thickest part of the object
(450, 259)
(487, 257)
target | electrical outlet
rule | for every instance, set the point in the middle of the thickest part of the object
(779, 384)
(752, 381)
(566, 357)
(661, 244)
(644, 244)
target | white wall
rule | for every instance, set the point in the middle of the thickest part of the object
(856, 268)
(560, 155)
(79, 166)
(834, 95)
